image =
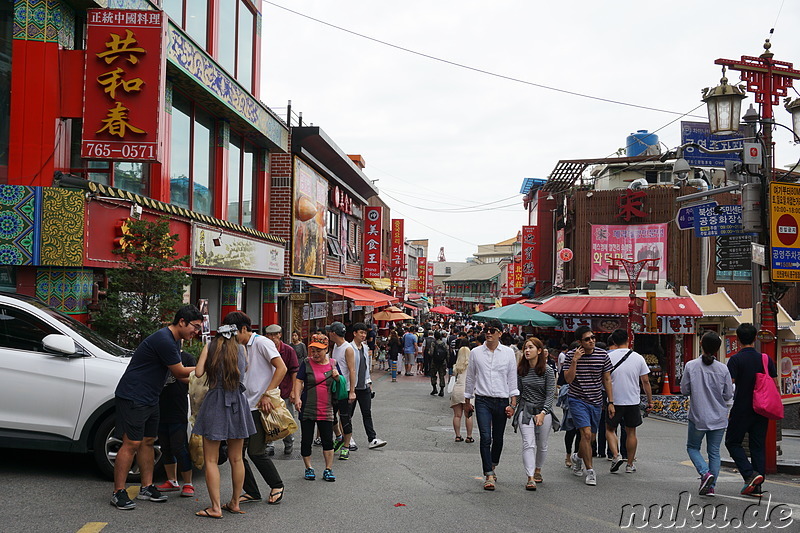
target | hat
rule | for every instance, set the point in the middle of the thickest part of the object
(318, 340)
(338, 328)
(421, 329)
(273, 328)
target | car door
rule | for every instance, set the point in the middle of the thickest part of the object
(40, 392)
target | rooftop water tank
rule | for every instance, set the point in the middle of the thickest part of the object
(641, 143)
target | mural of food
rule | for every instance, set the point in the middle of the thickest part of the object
(310, 205)
(304, 209)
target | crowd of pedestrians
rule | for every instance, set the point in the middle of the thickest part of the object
(483, 369)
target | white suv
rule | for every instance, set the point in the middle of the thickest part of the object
(57, 382)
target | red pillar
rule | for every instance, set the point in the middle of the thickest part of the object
(269, 302)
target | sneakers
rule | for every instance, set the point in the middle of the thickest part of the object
(327, 475)
(344, 455)
(710, 492)
(752, 483)
(377, 443)
(287, 449)
(168, 486)
(337, 443)
(353, 445)
(591, 478)
(577, 465)
(151, 493)
(270, 450)
(706, 480)
(187, 491)
(757, 492)
(310, 475)
(317, 442)
(441, 392)
(434, 391)
(630, 469)
(120, 500)
(616, 463)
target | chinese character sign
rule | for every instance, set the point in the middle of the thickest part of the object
(124, 85)
(398, 253)
(511, 277)
(373, 259)
(634, 243)
(518, 278)
(530, 253)
(422, 273)
(429, 284)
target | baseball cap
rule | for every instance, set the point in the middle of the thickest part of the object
(338, 328)
(421, 329)
(318, 340)
(273, 328)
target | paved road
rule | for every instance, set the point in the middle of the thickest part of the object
(422, 481)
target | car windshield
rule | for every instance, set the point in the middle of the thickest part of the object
(92, 336)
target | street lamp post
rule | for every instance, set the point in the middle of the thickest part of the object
(769, 80)
(632, 270)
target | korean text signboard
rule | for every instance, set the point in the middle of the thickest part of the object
(784, 213)
(422, 273)
(429, 285)
(373, 231)
(717, 220)
(530, 253)
(124, 85)
(634, 243)
(699, 133)
(397, 257)
(789, 372)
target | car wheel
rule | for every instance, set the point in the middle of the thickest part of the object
(106, 446)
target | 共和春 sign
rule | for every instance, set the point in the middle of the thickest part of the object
(123, 85)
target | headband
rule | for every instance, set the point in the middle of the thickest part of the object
(227, 330)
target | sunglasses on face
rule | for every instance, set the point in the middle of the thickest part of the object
(491, 330)
(588, 339)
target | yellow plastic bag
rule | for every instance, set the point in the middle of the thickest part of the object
(196, 451)
(279, 423)
(198, 388)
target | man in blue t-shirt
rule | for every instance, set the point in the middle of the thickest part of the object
(410, 341)
(137, 397)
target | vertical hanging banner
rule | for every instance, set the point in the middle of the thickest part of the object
(429, 284)
(422, 273)
(124, 85)
(530, 253)
(518, 277)
(373, 258)
(511, 277)
(397, 257)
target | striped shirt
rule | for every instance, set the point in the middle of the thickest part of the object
(588, 382)
(536, 393)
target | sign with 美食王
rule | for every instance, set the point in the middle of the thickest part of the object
(123, 85)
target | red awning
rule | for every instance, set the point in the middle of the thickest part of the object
(359, 295)
(615, 306)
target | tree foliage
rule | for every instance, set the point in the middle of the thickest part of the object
(147, 290)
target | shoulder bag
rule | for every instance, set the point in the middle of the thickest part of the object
(766, 396)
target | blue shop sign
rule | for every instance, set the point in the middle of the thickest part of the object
(700, 134)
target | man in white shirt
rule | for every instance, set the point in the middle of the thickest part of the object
(264, 371)
(363, 383)
(492, 381)
(629, 369)
(344, 355)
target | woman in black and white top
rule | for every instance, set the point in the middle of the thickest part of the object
(534, 414)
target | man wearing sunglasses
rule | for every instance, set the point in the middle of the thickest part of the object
(492, 381)
(588, 371)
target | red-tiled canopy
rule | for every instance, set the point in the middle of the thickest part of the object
(615, 306)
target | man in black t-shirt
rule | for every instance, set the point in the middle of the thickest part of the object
(173, 407)
(743, 366)
(137, 398)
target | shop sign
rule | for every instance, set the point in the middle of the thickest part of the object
(123, 85)
(667, 325)
(339, 307)
(373, 235)
(422, 273)
(217, 250)
(571, 323)
(789, 371)
(429, 279)
(341, 201)
(530, 253)
(309, 205)
(784, 213)
(634, 243)
(558, 279)
(698, 134)
(631, 204)
(511, 275)
(732, 346)
(315, 311)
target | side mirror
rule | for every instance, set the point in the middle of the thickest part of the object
(60, 344)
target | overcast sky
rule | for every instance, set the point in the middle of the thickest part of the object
(439, 137)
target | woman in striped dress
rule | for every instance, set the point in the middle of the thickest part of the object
(534, 414)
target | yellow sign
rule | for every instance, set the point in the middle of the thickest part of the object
(784, 220)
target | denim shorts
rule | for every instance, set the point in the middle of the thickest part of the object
(584, 414)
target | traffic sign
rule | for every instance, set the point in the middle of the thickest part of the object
(719, 220)
(784, 213)
(685, 217)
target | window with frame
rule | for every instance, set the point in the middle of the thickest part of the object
(235, 50)
(241, 181)
(191, 171)
(191, 16)
(21, 331)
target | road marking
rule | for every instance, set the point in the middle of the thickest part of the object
(92, 527)
(751, 499)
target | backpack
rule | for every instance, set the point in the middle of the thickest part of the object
(439, 352)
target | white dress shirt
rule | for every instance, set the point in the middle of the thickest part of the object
(491, 373)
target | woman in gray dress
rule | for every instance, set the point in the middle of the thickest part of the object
(224, 415)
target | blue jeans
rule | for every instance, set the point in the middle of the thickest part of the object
(713, 441)
(491, 415)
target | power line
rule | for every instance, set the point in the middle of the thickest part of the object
(473, 69)
(457, 209)
(434, 229)
(452, 212)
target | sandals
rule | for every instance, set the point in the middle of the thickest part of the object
(537, 477)
(488, 484)
(470, 439)
(273, 493)
(459, 439)
(246, 498)
(530, 485)
(205, 514)
(228, 508)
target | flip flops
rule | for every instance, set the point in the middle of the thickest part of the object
(205, 514)
(246, 498)
(227, 507)
(272, 494)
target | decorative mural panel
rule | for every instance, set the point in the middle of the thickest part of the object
(51, 21)
(269, 291)
(62, 225)
(68, 290)
(231, 290)
(19, 243)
